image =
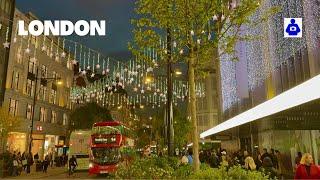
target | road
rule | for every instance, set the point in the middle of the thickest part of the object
(58, 173)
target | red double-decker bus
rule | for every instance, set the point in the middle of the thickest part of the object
(109, 142)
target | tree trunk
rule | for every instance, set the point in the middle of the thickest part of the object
(192, 104)
(218, 83)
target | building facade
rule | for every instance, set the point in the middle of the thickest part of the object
(268, 67)
(207, 111)
(39, 58)
(6, 13)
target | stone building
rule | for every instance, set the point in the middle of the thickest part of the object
(6, 14)
(44, 58)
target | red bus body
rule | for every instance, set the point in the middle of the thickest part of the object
(105, 147)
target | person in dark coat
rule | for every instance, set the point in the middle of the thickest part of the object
(46, 163)
(268, 168)
(29, 162)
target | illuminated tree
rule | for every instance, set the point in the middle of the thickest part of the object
(196, 32)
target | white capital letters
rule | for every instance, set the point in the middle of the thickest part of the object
(67, 28)
(94, 26)
(49, 27)
(36, 31)
(21, 30)
(86, 28)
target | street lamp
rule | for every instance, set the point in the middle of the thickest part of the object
(59, 82)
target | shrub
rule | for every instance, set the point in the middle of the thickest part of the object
(146, 168)
(169, 168)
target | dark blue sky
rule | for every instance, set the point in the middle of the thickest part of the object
(117, 13)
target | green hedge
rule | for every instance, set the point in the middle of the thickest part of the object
(164, 168)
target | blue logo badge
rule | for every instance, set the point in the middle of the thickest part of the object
(292, 27)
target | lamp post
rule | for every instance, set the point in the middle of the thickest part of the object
(34, 103)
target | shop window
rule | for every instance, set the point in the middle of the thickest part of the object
(13, 107)
(29, 111)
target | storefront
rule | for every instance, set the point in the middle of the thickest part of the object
(37, 145)
(17, 142)
(49, 144)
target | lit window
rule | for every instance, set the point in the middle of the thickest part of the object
(30, 87)
(65, 119)
(32, 67)
(53, 96)
(44, 71)
(42, 92)
(29, 111)
(43, 114)
(53, 117)
(13, 107)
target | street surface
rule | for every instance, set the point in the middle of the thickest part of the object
(58, 173)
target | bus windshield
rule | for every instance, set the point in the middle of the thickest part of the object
(105, 130)
(105, 156)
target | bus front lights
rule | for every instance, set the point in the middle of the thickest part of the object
(90, 165)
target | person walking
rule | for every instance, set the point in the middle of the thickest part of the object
(36, 157)
(297, 160)
(268, 169)
(265, 154)
(184, 159)
(72, 164)
(306, 169)
(190, 159)
(15, 165)
(249, 163)
(29, 162)
(46, 163)
(224, 162)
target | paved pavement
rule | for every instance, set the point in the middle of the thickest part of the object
(57, 173)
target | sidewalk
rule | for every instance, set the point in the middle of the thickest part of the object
(52, 171)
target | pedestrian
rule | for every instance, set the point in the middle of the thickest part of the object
(214, 160)
(46, 163)
(274, 158)
(29, 162)
(184, 159)
(306, 169)
(265, 154)
(50, 158)
(298, 159)
(224, 162)
(268, 169)
(249, 163)
(257, 158)
(281, 166)
(72, 164)
(36, 158)
(19, 159)
(190, 158)
(15, 165)
(24, 161)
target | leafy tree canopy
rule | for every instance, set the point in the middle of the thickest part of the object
(85, 116)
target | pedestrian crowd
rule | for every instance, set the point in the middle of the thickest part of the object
(269, 162)
(15, 163)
